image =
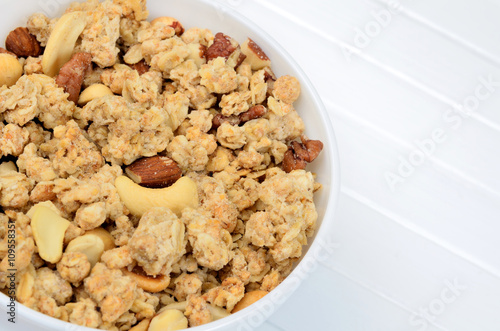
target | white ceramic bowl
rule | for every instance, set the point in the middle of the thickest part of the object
(220, 18)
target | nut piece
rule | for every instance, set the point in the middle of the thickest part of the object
(139, 200)
(71, 75)
(141, 67)
(3, 50)
(169, 320)
(25, 288)
(142, 325)
(62, 41)
(106, 237)
(22, 43)
(197, 53)
(10, 69)
(92, 92)
(154, 172)
(248, 299)
(253, 113)
(255, 55)
(299, 153)
(148, 283)
(48, 232)
(170, 21)
(48, 204)
(223, 46)
(7, 167)
(88, 244)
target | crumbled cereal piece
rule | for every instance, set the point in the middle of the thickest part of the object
(43, 191)
(211, 243)
(117, 258)
(231, 136)
(36, 96)
(285, 128)
(187, 284)
(260, 230)
(13, 138)
(91, 216)
(202, 119)
(145, 304)
(235, 103)
(129, 29)
(271, 280)
(33, 65)
(84, 313)
(258, 87)
(115, 78)
(73, 266)
(197, 35)
(220, 159)
(41, 26)
(279, 108)
(36, 167)
(227, 294)
(113, 292)
(286, 89)
(244, 193)
(158, 241)
(71, 152)
(50, 283)
(102, 32)
(164, 55)
(14, 189)
(197, 311)
(192, 150)
(216, 203)
(176, 105)
(159, 31)
(218, 77)
(134, 9)
(25, 245)
(123, 231)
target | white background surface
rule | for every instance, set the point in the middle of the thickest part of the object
(424, 255)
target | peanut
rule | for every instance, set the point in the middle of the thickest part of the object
(10, 69)
(148, 283)
(88, 244)
(183, 193)
(169, 320)
(105, 236)
(48, 232)
(92, 92)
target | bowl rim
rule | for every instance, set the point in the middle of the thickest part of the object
(307, 262)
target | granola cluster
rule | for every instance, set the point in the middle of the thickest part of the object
(209, 105)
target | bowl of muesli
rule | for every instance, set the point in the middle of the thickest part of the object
(163, 166)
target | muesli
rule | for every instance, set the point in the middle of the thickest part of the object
(155, 174)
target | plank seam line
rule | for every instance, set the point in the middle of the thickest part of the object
(407, 224)
(394, 72)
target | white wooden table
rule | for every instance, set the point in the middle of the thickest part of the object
(413, 91)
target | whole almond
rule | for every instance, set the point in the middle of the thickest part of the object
(154, 172)
(22, 43)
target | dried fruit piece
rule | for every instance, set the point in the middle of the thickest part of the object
(148, 283)
(48, 232)
(155, 172)
(169, 320)
(183, 193)
(22, 43)
(71, 75)
(62, 41)
(88, 244)
(93, 92)
(10, 69)
(249, 298)
(255, 55)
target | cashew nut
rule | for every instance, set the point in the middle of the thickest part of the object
(10, 69)
(48, 232)
(106, 237)
(149, 283)
(93, 92)
(88, 244)
(169, 320)
(248, 299)
(62, 41)
(183, 193)
(255, 56)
